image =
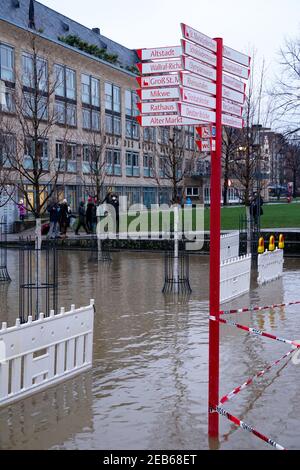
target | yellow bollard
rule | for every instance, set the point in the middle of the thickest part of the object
(261, 246)
(281, 242)
(272, 243)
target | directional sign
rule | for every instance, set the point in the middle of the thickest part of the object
(206, 132)
(236, 56)
(160, 53)
(233, 95)
(160, 94)
(196, 113)
(168, 107)
(197, 83)
(164, 121)
(195, 36)
(199, 99)
(206, 145)
(232, 121)
(194, 66)
(160, 67)
(199, 53)
(236, 69)
(232, 108)
(233, 83)
(158, 81)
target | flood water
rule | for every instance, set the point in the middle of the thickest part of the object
(148, 386)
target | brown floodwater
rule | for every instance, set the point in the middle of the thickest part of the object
(148, 386)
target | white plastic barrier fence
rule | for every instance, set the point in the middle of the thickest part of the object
(230, 246)
(235, 278)
(40, 354)
(270, 266)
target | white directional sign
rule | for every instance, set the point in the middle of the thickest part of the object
(233, 83)
(199, 53)
(232, 108)
(157, 121)
(194, 66)
(160, 67)
(168, 107)
(199, 38)
(236, 69)
(196, 113)
(206, 145)
(197, 83)
(233, 95)
(158, 81)
(199, 99)
(160, 94)
(160, 53)
(236, 56)
(232, 121)
(206, 132)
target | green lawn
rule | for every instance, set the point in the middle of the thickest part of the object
(275, 216)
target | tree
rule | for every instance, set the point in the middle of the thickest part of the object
(286, 91)
(231, 143)
(292, 164)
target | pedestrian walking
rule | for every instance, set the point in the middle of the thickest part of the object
(54, 210)
(64, 218)
(90, 214)
(81, 221)
(22, 210)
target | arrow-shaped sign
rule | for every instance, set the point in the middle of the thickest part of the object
(160, 67)
(160, 94)
(194, 66)
(199, 53)
(160, 53)
(165, 121)
(196, 113)
(158, 81)
(168, 107)
(199, 38)
(196, 98)
(195, 82)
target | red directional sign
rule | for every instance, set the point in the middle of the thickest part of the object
(236, 56)
(195, 36)
(195, 82)
(157, 67)
(236, 69)
(160, 94)
(158, 81)
(232, 121)
(199, 53)
(233, 83)
(196, 98)
(164, 121)
(196, 113)
(208, 145)
(194, 66)
(233, 95)
(160, 53)
(168, 107)
(232, 108)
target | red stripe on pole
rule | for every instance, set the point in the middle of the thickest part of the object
(258, 309)
(215, 256)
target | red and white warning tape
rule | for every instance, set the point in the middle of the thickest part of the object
(254, 331)
(246, 427)
(257, 309)
(238, 390)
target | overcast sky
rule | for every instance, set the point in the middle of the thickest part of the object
(263, 24)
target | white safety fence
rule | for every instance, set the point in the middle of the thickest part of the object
(40, 354)
(235, 278)
(230, 246)
(270, 266)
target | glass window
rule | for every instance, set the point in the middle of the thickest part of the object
(96, 120)
(109, 124)
(128, 103)
(6, 63)
(7, 103)
(85, 89)
(128, 128)
(59, 80)
(95, 89)
(117, 125)
(60, 112)
(27, 72)
(108, 97)
(71, 115)
(132, 164)
(117, 99)
(86, 118)
(70, 84)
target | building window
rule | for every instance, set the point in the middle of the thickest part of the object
(90, 88)
(131, 110)
(112, 109)
(113, 162)
(66, 159)
(150, 134)
(148, 166)
(163, 167)
(192, 192)
(42, 157)
(7, 63)
(149, 197)
(35, 106)
(189, 138)
(66, 113)
(7, 150)
(65, 91)
(164, 136)
(34, 72)
(132, 164)
(7, 103)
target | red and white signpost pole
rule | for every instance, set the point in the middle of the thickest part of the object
(215, 256)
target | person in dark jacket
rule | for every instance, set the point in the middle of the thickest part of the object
(81, 216)
(90, 214)
(257, 208)
(64, 218)
(53, 209)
